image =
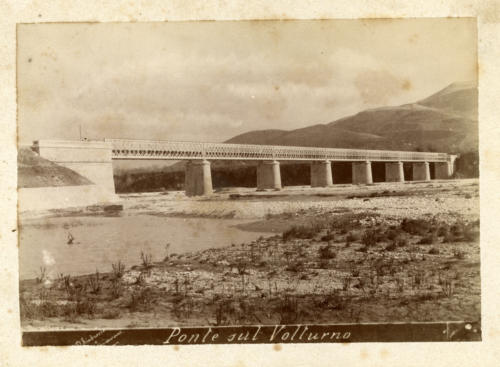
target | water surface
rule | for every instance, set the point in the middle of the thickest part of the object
(100, 241)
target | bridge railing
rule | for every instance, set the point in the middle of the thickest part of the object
(148, 149)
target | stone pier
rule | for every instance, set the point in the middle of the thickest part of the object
(268, 175)
(362, 173)
(443, 170)
(188, 180)
(421, 171)
(394, 172)
(198, 178)
(321, 174)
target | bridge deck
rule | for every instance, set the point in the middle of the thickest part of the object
(148, 149)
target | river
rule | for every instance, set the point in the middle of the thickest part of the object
(100, 241)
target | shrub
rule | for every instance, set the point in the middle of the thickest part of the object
(400, 284)
(94, 283)
(363, 249)
(301, 232)
(332, 301)
(112, 313)
(449, 238)
(167, 248)
(351, 237)
(380, 236)
(391, 234)
(427, 240)
(43, 275)
(323, 264)
(415, 226)
(369, 238)
(350, 221)
(433, 251)
(141, 300)
(418, 278)
(458, 254)
(391, 247)
(146, 260)
(346, 282)
(116, 288)
(288, 310)
(457, 229)
(223, 312)
(442, 231)
(326, 252)
(85, 306)
(447, 287)
(328, 237)
(402, 242)
(295, 267)
(470, 234)
(65, 282)
(42, 310)
(118, 270)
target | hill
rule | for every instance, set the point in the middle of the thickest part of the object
(445, 121)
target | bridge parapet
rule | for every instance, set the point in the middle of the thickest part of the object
(147, 149)
(93, 159)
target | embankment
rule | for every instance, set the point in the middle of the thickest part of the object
(44, 185)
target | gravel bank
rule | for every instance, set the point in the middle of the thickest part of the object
(449, 198)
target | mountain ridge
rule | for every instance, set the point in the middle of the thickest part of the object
(444, 121)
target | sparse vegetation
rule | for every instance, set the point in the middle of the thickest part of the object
(300, 232)
(369, 238)
(326, 252)
(146, 259)
(458, 254)
(112, 313)
(141, 300)
(416, 226)
(433, 251)
(118, 270)
(322, 268)
(391, 247)
(329, 236)
(43, 274)
(94, 283)
(427, 240)
(402, 242)
(351, 237)
(288, 310)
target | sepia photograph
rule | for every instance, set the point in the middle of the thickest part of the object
(248, 181)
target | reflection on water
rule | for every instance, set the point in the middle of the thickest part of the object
(100, 241)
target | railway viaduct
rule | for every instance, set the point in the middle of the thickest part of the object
(93, 159)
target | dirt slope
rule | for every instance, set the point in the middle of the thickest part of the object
(34, 171)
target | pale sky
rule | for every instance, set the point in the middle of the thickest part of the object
(209, 81)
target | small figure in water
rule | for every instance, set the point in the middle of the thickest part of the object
(70, 238)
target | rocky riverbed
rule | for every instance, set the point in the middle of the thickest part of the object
(412, 199)
(381, 253)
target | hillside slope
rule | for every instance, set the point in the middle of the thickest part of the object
(34, 171)
(445, 121)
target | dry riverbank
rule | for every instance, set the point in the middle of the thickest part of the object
(375, 254)
(402, 200)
